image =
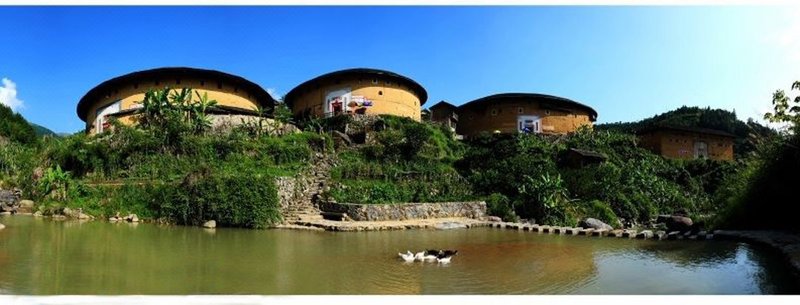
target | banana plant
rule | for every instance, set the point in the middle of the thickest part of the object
(201, 120)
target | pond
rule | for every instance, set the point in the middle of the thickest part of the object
(41, 257)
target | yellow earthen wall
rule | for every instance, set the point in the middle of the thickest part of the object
(680, 145)
(229, 95)
(396, 99)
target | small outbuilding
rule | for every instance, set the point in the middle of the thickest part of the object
(578, 158)
(445, 113)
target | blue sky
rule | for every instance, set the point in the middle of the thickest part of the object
(627, 62)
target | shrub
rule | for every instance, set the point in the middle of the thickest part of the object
(602, 211)
(54, 184)
(499, 205)
(544, 198)
(249, 201)
(17, 163)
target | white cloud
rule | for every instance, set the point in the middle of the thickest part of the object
(8, 95)
(274, 93)
(787, 36)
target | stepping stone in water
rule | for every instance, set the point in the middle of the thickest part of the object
(629, 233)
(645, 234)
(600, 232)
(673, 235)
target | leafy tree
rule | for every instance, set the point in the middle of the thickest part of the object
(783, 111)
(760, 195)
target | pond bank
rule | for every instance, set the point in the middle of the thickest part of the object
(309, 222)
(786, 243)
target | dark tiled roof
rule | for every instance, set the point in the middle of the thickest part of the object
(443, 104)
(655, 128)
(416, 87)
(554, 101)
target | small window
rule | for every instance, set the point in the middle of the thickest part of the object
(375, 81)
(547, 112)
(380, 92)
(494, 112)
(520, 110)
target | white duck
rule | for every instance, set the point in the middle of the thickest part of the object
(420, 256)
(408, 256)
(444, 260)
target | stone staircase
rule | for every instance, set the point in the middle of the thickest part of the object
(317, 177)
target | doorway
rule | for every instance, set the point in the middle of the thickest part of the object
(336, 102)
(700, 150)
(529, 124)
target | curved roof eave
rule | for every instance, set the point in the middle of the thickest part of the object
(537, 96)
(416, 87)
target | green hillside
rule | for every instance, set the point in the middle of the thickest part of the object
(14, 127)
(42, 131)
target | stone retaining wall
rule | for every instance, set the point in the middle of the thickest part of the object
(406, 211)
(292, 191)
(9, 200)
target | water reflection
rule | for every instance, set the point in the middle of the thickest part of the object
(47, 257)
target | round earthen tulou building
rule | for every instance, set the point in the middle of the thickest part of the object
(119, 97)
(516, 113)
(357, 91)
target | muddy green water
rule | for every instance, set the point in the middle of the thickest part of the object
(39, 256)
